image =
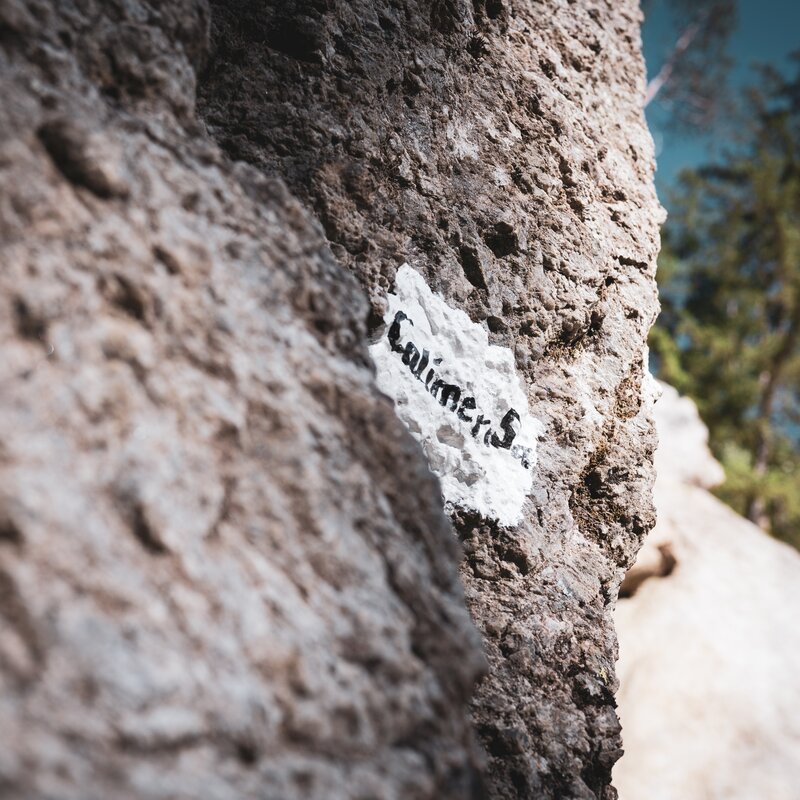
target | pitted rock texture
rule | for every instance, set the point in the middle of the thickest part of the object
(499, 148)
(224, 567)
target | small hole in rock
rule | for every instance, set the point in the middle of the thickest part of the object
(29, 324)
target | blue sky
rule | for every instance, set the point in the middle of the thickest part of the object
(767, 32)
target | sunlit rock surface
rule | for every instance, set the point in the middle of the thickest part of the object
(709, 642)
(224, 568)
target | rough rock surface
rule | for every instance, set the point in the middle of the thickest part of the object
(212, 581)
(709, 641)
(224, 565)
(499, 148)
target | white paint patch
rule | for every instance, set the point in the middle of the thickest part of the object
(461, 398)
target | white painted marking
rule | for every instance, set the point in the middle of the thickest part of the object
(461, 398)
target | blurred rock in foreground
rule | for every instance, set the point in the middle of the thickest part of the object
(709, 641)
(214, 583)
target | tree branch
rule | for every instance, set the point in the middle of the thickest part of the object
(660, 80)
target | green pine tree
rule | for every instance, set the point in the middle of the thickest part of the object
(729, 334)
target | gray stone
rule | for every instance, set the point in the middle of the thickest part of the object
(500, 149)
(225, 569)
(709, 644)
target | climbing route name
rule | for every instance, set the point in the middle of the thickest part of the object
(423, 367)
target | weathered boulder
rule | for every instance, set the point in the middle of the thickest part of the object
(500, 150)
(709, 642)
(224, 567)
(224, 561)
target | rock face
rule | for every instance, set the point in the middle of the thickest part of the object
(225, 567)
(213, 582)
(499, 149)
(709, 641)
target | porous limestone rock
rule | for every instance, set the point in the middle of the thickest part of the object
(224, 562)
(224, 568)
(497, 147)
(709, 642)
